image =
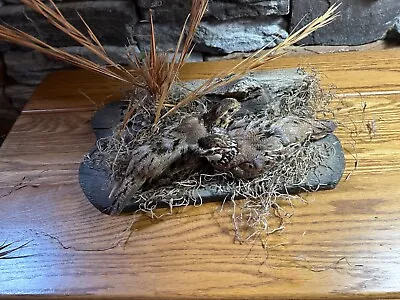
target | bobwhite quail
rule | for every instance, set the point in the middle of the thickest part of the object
(174, 147)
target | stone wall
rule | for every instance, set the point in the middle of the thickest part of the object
(228, 26)
(361, 21)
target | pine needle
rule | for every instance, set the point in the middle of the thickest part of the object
(157, 73)
(255, 61)
(194, 18)
(57, 19)
(6, 250)
(154, 72)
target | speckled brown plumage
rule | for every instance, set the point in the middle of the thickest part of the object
(175, 148)
(245, 147)
(259, 143)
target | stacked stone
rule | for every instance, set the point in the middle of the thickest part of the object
(360, 21)
(112, 21)
(229, 26)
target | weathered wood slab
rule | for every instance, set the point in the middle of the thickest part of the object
(94, 178)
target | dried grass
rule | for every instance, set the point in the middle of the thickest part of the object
(54, 16)
(154, 72)
(153, 77)
(263, 195)
(157, 70)
(255, 61)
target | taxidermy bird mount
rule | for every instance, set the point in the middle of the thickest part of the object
(218, 139)
(254, 138)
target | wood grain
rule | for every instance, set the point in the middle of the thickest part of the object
(341, 243)
(369, 71)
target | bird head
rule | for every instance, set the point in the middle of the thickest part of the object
(218, 149)
(221, 114)
(322, 128)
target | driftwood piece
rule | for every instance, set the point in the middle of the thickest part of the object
(258, 91)
(95, 181)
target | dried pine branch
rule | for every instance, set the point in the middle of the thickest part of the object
(152, 69)
(256, 60)
(172, 72)
(154, 72)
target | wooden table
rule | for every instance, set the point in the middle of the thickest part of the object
(343, 243)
